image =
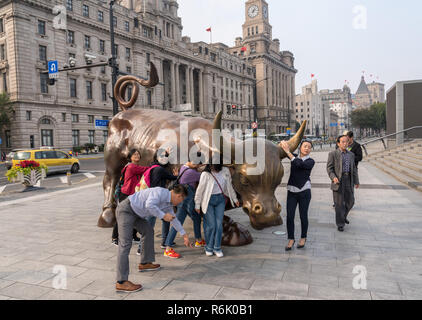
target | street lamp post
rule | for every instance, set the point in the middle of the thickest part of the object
(113, 63)
(255, 105)
(255, 102)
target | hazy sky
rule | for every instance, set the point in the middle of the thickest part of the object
(326, 36)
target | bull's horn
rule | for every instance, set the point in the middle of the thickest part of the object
(217, 120)
(294, 141)
(121, 84)
(217, 126)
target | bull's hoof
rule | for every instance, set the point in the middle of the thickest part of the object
(107, 218)
(234, 234)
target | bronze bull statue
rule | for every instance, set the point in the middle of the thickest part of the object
(139, 129)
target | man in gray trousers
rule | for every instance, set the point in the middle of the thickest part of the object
(132, 213)
(342, 171)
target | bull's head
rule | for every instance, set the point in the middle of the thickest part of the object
(257, 191)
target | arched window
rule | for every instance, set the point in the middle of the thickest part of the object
(45, 121)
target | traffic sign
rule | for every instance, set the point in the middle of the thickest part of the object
(53, 69)
(288, 131)
(254, 125)
(0, 141)
(101, 124)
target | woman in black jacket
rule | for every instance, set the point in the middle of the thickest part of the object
(299, 190)
(160, 177)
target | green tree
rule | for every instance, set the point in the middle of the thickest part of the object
(378, 116)
(373, 118)
(5, 110)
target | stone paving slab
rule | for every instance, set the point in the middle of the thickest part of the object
(384, 237)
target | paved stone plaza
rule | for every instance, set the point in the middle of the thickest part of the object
(385, 237)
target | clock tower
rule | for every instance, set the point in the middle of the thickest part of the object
(273, 69)
(257, 21)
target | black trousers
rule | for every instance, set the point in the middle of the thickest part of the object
(115, 234)
(302, 199)
(344, 200)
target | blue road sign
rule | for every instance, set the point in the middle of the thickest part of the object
(53, 69)
(288, 131)
(53, 66)
(101, 124)
(0, 141)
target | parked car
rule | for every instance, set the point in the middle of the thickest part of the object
(55, 160)
(9, 158)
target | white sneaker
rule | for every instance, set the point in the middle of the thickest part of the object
(219, 254)
(209, 254)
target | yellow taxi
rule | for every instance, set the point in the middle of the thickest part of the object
(55, 160)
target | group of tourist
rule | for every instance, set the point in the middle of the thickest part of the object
(196, 187)
(200, 191)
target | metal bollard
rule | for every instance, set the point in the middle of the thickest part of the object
(68, 174)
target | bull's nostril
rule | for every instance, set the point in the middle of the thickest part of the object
(257, 209)
(246, 210)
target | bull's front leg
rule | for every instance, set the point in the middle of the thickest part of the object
(234, 234)
(114, 167)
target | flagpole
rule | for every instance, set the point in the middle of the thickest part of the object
(211, 36)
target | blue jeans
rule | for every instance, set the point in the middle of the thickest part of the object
(213, 222)
(187, 207)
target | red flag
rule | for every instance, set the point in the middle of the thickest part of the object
(243, 49)
(312, 75)
(209, 29)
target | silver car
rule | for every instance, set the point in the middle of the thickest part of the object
(9, 158)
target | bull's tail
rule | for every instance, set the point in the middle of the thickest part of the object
(123, 82)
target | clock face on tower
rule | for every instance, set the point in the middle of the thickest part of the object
(253, 11)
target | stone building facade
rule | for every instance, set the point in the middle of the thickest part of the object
(368, 94)
(310, 106)
(339, 101)
(377, 91)
(196, 79)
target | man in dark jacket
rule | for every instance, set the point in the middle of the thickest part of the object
(343, 174)
(355, 147)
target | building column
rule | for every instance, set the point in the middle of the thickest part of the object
(176, 84)
(283, 93)
(192, 90)
(399, 112)
(201, 92)
(279, 89)
(187, 74)
(172, 85)
(293, 95)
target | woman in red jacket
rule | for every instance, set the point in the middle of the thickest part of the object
(132, 174)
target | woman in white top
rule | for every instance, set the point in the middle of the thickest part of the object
(215, 181)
